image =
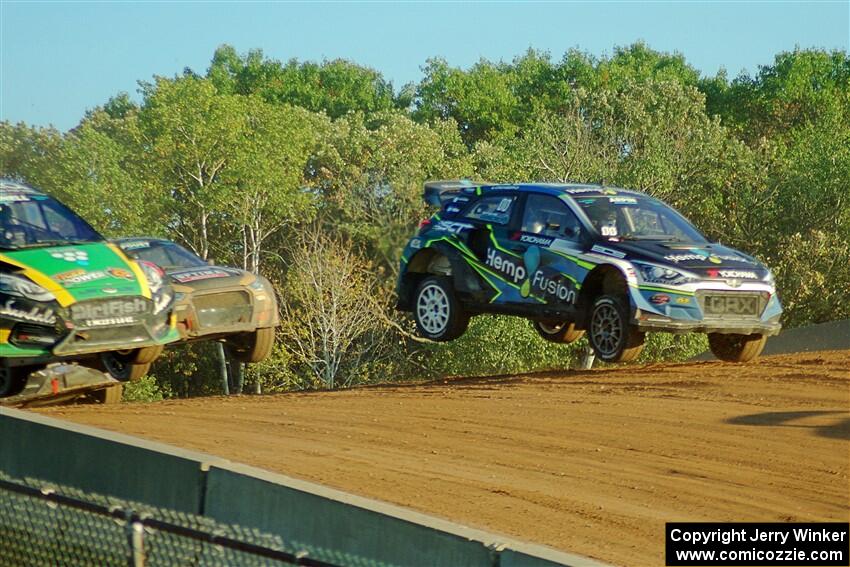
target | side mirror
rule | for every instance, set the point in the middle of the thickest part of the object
(571, 231)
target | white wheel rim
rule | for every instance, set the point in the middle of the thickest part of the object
(551, 329)
(607, 329)
(432, 309)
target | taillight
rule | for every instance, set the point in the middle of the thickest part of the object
(423, 224)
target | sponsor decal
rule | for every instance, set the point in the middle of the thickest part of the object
(539, 281)
(14, 198)
(732, 274)
(109, 290)
(683, 300)
(416, 243)
(120, 273)
(135, 245)
(87, 312)
(532, 239)
(36, 315)
(451, 226)
(731, 305)
(80, 276)
(659, 299)
(452, 209)
(202, 274)
(80, 257)
(608, 251)
(110, 321)
(622, 200)
(697, 254)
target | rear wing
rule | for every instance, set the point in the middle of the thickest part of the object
(438, 193)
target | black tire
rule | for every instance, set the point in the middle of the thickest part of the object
(147, 355)
(12, 380)
(611, 335)
(736, 348)
(438, 314)
(119, 366)
(252, 347)
(564, 333)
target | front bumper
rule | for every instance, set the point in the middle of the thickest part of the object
(750, 309)
(225, 311)
(89, 327)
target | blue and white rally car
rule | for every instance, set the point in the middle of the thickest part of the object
(578, 258)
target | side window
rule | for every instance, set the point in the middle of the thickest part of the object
(549, 216)
(495, 209)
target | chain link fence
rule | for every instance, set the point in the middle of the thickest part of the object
(47, 524)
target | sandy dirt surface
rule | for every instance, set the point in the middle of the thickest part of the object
(592, 462)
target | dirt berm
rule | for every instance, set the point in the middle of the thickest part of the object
(593, 462)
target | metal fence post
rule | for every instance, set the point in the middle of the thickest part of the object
(136, 540)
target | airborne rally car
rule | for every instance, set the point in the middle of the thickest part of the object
(578, 259)
(67, 294)
(214, 302)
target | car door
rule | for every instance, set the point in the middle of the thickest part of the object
(552, 237)
(495, 218)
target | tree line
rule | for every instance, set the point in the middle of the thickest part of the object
(311, 173)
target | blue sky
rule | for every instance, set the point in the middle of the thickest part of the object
(61, 58)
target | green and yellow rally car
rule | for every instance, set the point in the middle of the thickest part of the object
(68, 294)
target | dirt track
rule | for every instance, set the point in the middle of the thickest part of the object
(591, 462)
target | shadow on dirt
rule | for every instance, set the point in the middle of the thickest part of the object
(839, 429)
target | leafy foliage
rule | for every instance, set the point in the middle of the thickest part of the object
(311, 173)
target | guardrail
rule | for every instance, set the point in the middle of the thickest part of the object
(162, 476)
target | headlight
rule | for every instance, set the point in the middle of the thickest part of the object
(162, 301)
(153, 274)
(650, 273)
(22, 287)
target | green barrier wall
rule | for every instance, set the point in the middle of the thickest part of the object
(160, 475)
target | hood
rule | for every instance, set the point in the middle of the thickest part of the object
(701, 258)
(207, 277)
(78, 272)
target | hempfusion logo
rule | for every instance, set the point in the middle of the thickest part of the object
(531, 259)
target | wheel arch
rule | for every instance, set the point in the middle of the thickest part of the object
(438, 259)
(604, 279)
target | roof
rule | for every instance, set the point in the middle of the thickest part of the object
(557, 189)
(10, 186)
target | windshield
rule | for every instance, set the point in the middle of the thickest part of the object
(633, 217)
(166, 255)
(33, 220)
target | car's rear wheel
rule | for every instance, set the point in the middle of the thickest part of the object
(611, 336)
(564, 333)
(438, 314)
(121, 366)
(252, 347)
(736, 348)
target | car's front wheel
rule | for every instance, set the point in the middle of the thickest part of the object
(12, 380)
(438, 314)
(564, 333)
(252, 347)
(736, 348)
(611, 336)
(122, 366)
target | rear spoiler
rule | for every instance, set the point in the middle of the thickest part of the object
(438, 193)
